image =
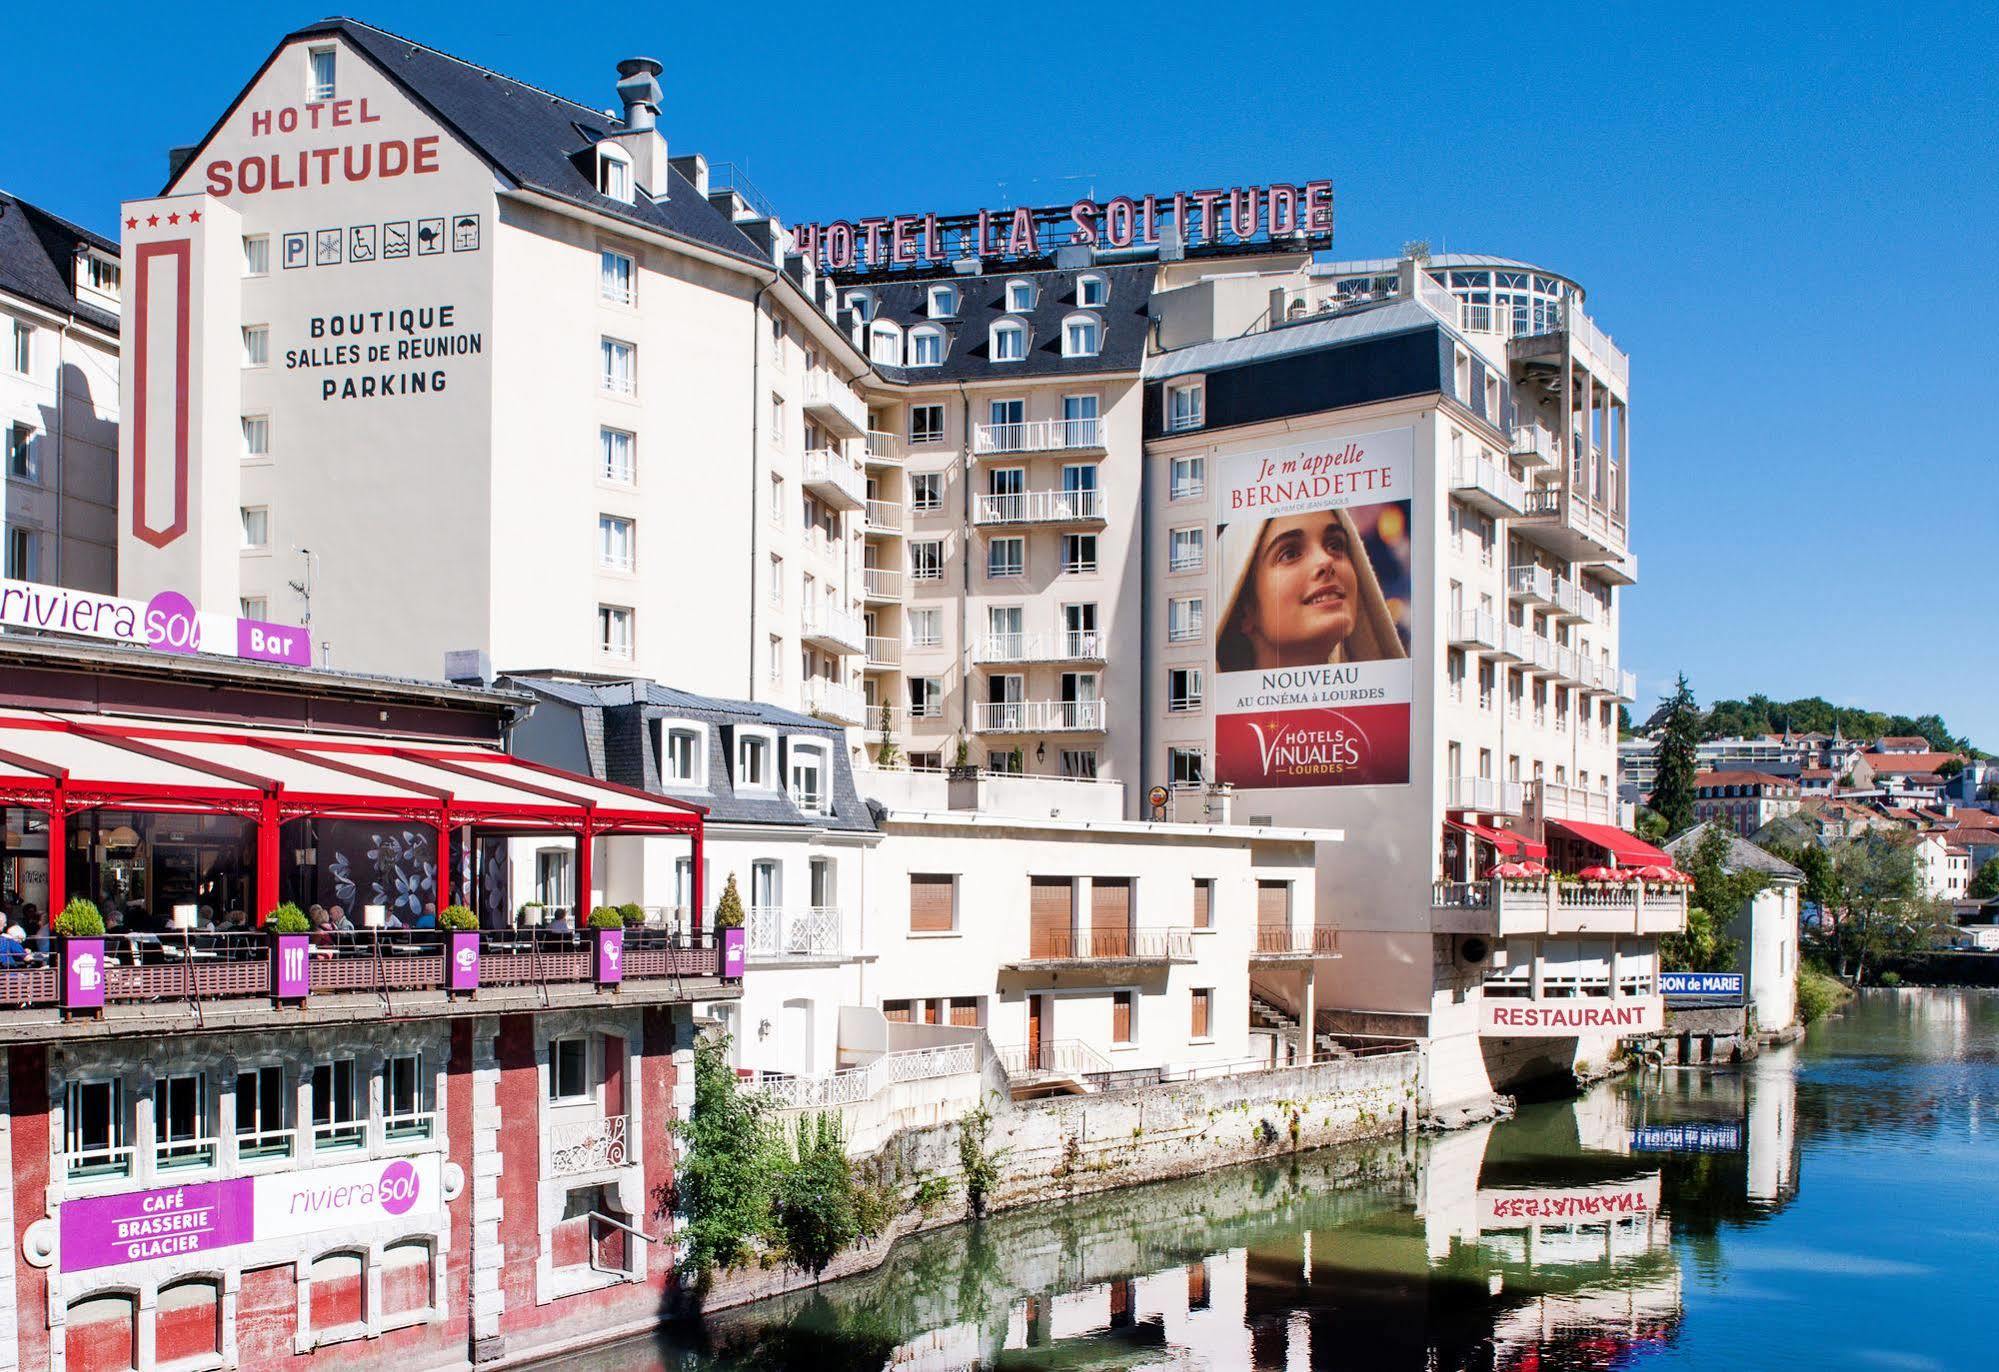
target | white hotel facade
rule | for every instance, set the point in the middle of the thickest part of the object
(493, 371)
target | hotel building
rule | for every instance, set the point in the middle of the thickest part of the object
(489, 370)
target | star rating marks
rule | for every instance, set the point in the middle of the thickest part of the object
(152, 221)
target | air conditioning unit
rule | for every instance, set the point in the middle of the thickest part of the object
(1473, 950)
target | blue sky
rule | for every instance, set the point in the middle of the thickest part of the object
(1774, 212)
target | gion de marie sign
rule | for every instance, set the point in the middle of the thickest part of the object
(168, 623)
(1274, 213)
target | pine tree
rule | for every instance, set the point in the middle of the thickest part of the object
(887, 755)
(1678, 752)
(729, 909)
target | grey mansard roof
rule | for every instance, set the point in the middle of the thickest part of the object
(38, 260)
(982, 301)
(1330, 331)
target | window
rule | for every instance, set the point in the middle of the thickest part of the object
(614, 630)
(94, 1130)
(257, 255)
(775, 672)
(1183, 619)
(680, 754)
(926, 490)
(180, 1122)
(926, 560)
(776, 581)
(753, 761)
(766, 885)
(406, 1280)
(1082, 336)
(1189, 551)
(619, 366)
(21, 453)
(617, 452)
(1183, 690)
(339, 1300)
(1006, 557)
(926, 423)
(777, 505)
(1204, 902)
(256, 345)
(253, 607)
(926, 762)
(551, 877)
(1189, 479)
(1080, 763)
(1079, 422)
(933, 903)
(256, 437)
(1186, 766)
(23, 356)
(617, 542)
(926, 628)
(1004, 764)
(406, 1098)
(808, 780)
(21, 550)
(1009, 341)
(926, 348)
(777, 426)
(1184, 406)
(1198, 1025)
(885, 345)
(569, 1069)
(1121, 1007)
(320, 86)
(943, 301)
(98, 275)
(256, 527)
(615, 276)
(614, 172)
(1019, 297)
(263, 1116)
(1079, 554)
(337, 1121)
(1092, 292)
(862, 304)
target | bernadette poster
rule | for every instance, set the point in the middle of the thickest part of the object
(1313, 682)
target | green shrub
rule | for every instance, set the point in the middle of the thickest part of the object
(816, 1202)
(80, 919)
(729, 909)
(1891, 979)
(726, 1178)
(1818, 994)
(633, 915)
(981, 1168)
(606, 917)
(457, 917)
(287, 919)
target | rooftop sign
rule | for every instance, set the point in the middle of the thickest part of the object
(1240, 215)
(168, 623)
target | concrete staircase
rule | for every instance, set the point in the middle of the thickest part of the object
(1264, 1015)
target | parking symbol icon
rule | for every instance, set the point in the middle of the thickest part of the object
(395, 239)
(326, 247)
(297, 250)
(361, 243)
(429, 237)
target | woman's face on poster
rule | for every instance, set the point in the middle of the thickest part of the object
(1306, 593)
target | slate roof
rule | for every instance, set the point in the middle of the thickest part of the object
(1737, 778)
(38, 260)
(1743, 856)
(1331, 331)
(531, 137)
(982, 301)
(621, 713)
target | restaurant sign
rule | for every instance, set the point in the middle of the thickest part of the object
(168, 623)
(1519, 1208)
(138, 1226)
(1511, 1017)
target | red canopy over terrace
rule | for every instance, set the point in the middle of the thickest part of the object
(65, 765)
(1628, 850)
(1508, 844)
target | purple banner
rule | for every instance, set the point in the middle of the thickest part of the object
(82, 973)
(609, 959)
(291, 966)
(732, 953)
(263, 642)
(109, 1231)
(461, 971)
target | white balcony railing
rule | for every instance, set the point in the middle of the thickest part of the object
(884, 651)
(772, 932)
(1475, 629)
(857, 1084)
(1627, 687)
(1535, 445)
(1530, 583)
(842, 630)
(1040, 507)
(1486, 795)
(831, 700)
(1038, 436)
(884, 517)
(1488, 484)
(884, 449)
(587, 1145)
(882, 583)
(1038, 716)
(833, 477)
(832, 399)
(1062, 646)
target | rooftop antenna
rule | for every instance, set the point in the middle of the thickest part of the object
(304, 590)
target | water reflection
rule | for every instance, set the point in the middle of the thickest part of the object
(1569, 1237)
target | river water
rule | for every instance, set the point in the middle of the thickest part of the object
(1832, 1205)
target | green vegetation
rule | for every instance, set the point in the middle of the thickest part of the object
(1985, 881)
(1762, 715)
(1679, 740)
(80, 919)
(1818, 994)
(1871, 904)
(632, 914)
(886, 753)
(606, 917)
(457, 917)
(729, 909)
(287, 919)
(979, 1165)
(1717, 895)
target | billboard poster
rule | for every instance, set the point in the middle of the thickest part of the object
(1313, 681)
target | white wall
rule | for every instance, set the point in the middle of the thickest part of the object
(68, 399)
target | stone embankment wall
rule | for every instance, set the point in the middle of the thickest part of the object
(1078, 1145)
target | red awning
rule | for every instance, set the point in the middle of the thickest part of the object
(1627, 849)
(1508, 844)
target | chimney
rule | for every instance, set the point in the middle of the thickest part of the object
(638, 88)
(694, 167)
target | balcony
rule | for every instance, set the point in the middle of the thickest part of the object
(1515, 642)
(830, 401)
(883, 652)
(1079, 509)
(1064, 949)
(884, 519)
(833, 630)
(772, 933)
(1064, 646)
(1627, 687)
(1535, 446)
(1540, 340)
(884, 449)
(1038, 436)
(1548, 800)
(1573, 528)
(1483, 795)
(1502, 909)
(834, 478)
(1485, 485)
(1039, 717)
(881, 585)
(1476, 630)
(1282, 944)
(837, 704)
(588, 1145)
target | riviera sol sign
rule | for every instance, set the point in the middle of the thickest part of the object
(1507, 1017)
(168, 623)
(138, 1226)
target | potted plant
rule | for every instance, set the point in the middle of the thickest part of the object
(634, 914)
(729, 927)
(607, 946)
(886, 752)
(961, 762)
(80, 949)
(461, 947)
(290, 933)
(531, 913)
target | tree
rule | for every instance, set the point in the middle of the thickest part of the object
(729, 1171)
(817, 1204)
(1677, 754)
(1949, 769)
(1874, 903)
(729, 909)
(1649, 825)
(1624, 729)
(1717, 895)
(1985, 881)
(887, 754)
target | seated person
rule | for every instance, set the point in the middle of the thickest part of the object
(14, 946)
(426, 920)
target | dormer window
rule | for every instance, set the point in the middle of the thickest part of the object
(862, 304)
(1184, 406)
(614, 172)
(1093, 292)
(98, 274)
(1009, 341)
(1082, 336)
(926, 347)
(943, 302)
(885, 345)
(753, 760)
(808, 779)
(1019, 297)
(683, 752)
(320, 68)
